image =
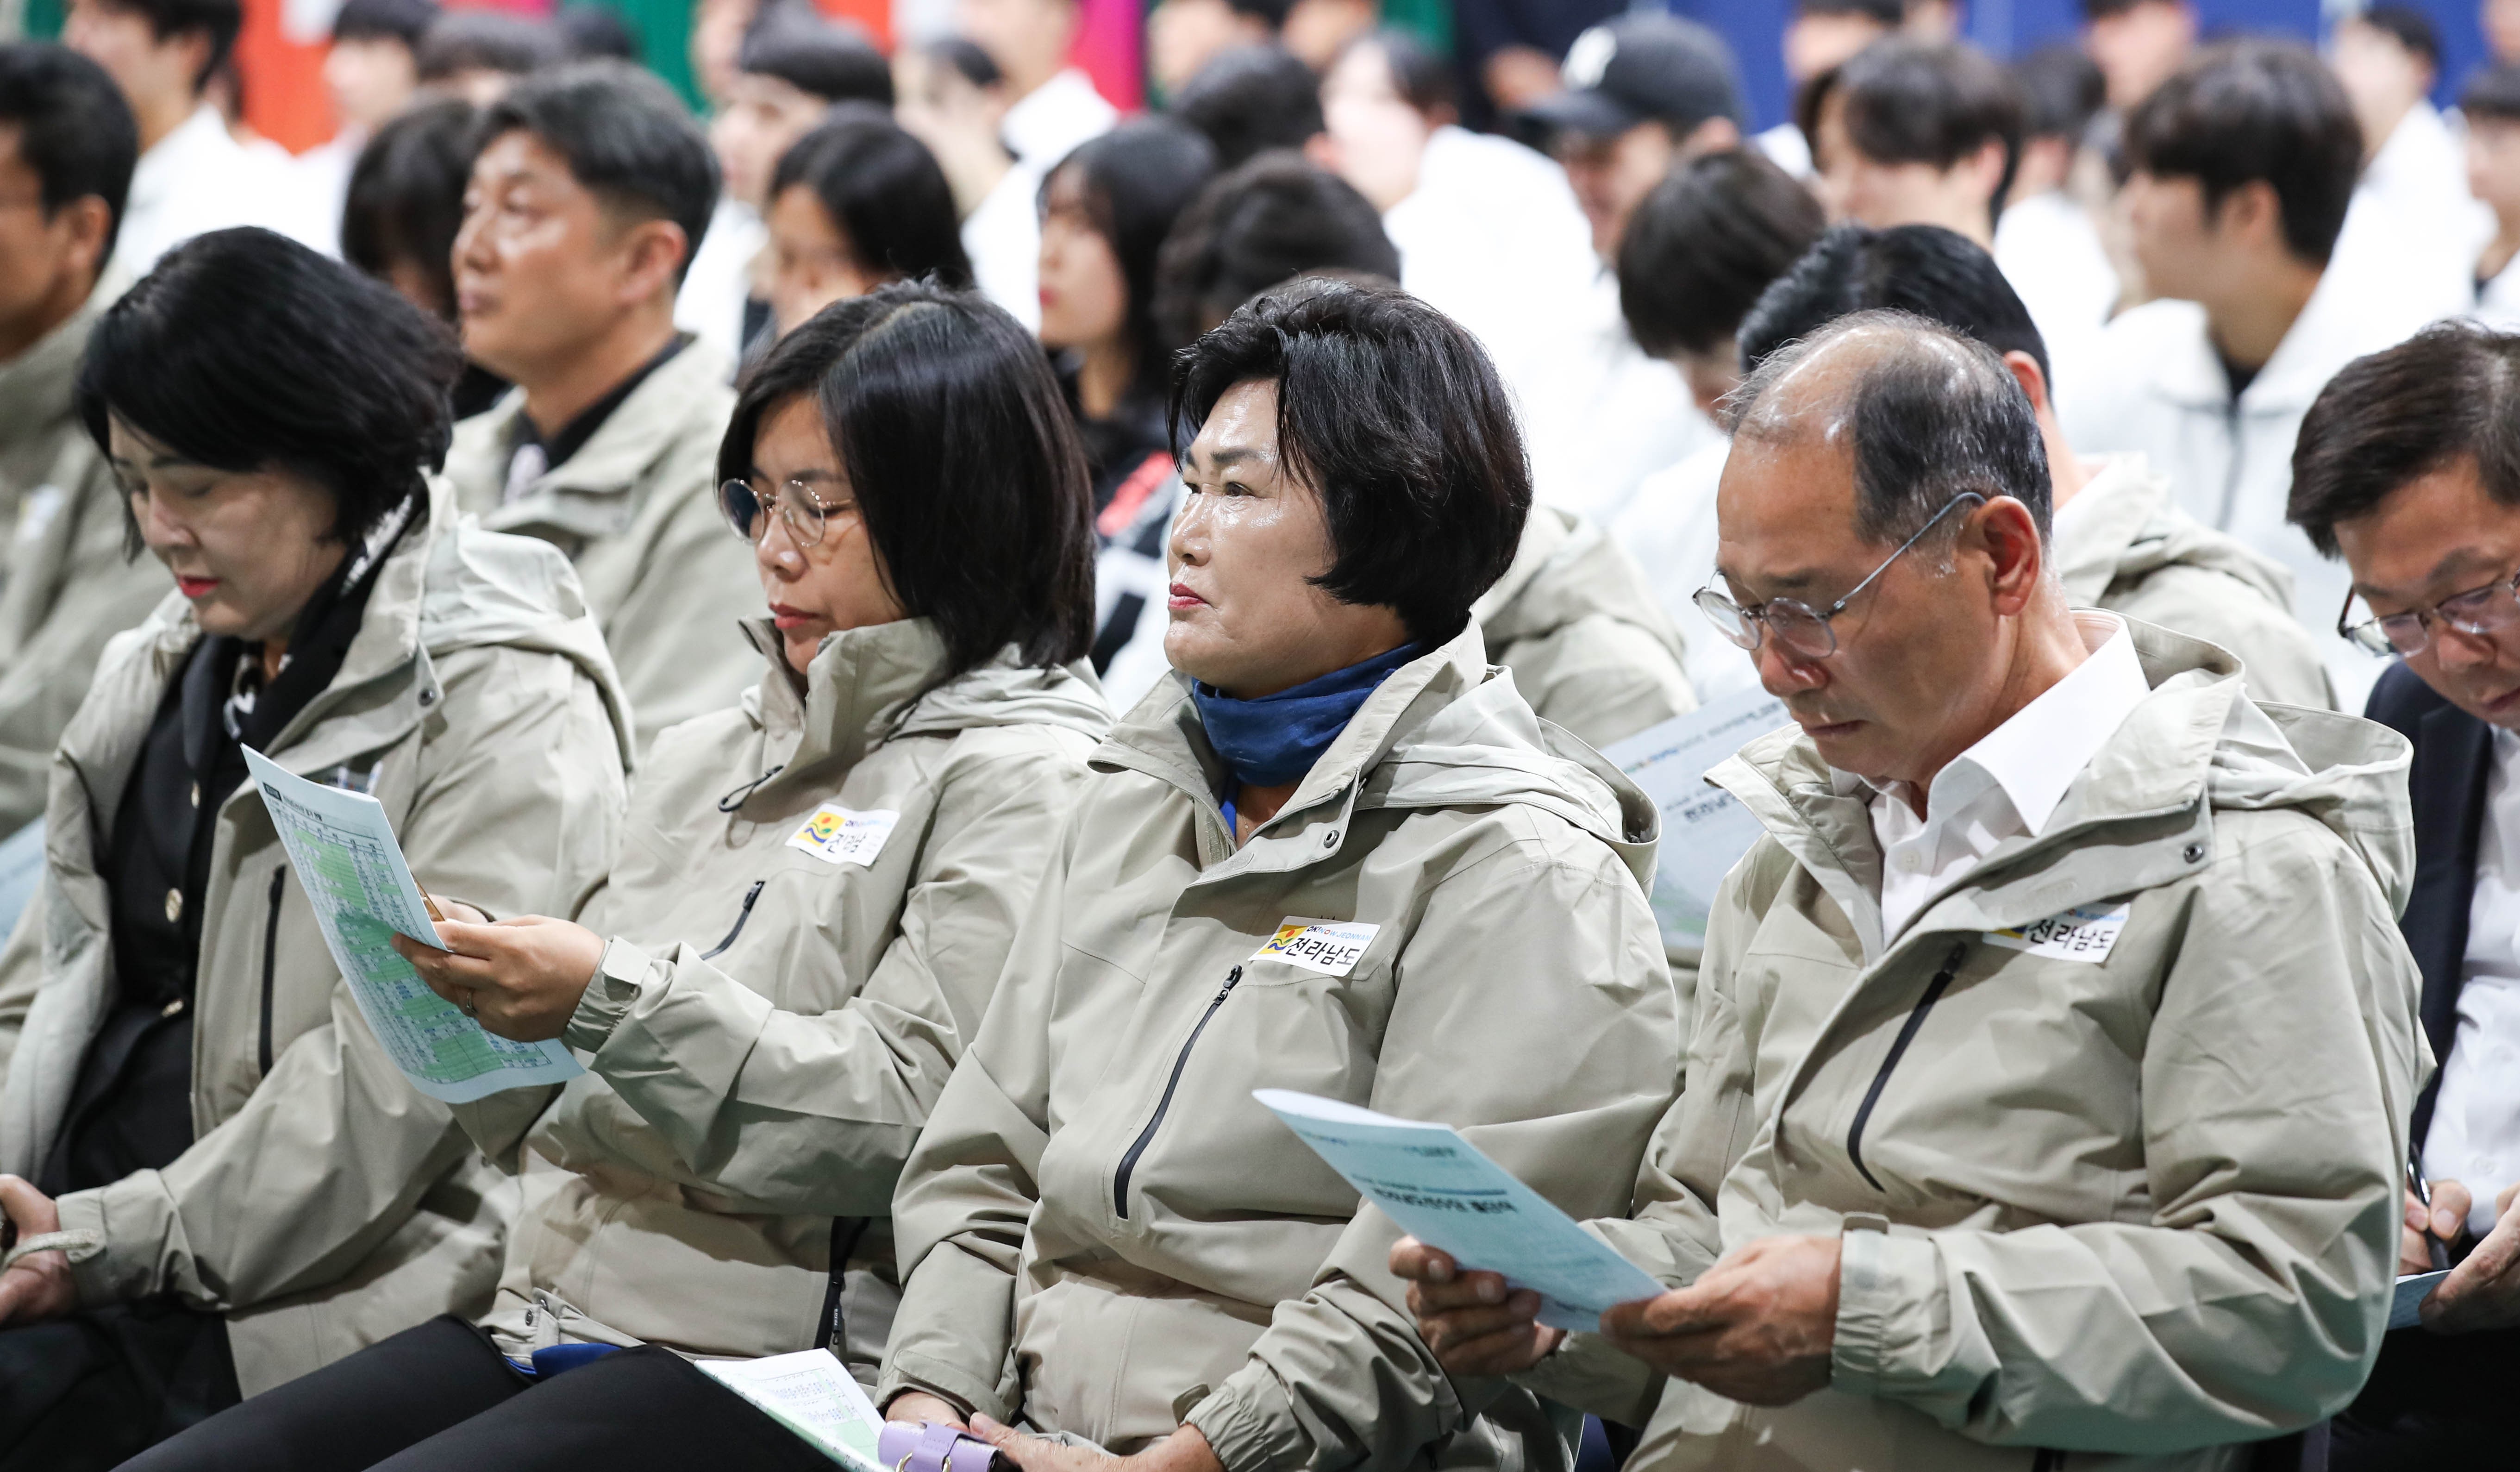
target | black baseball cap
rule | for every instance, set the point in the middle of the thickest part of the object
(1642, 68)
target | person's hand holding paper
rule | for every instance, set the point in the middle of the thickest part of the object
(522, 978)
(2483, 1292)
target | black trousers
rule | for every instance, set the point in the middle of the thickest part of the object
(442, 1398)
(2434, 1402)
(83, 1393)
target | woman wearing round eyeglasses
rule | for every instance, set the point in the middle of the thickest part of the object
(807, 915)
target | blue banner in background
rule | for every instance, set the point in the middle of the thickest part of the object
(2010, 28)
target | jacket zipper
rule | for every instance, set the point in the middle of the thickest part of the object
(1138, 1147)
(1899, 1046)
(270, 944)
(740, 917)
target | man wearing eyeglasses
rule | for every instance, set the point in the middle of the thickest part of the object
(2054, 1044)
(2409, 468)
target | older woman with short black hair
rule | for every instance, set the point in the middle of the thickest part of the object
(1335, 853)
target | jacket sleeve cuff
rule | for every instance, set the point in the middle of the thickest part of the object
(1250, 1424)
(608, 999)
(1888, 1290)
(911, 1370)
(131, 1222)
(1585, 1372)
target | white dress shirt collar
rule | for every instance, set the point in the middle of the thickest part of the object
(2008, 785)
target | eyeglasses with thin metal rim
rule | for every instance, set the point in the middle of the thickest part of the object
(1802, 630)
(797, 504)
(2478, 610)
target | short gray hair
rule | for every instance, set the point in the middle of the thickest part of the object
(1933, 414)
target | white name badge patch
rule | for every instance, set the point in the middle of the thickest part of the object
(1331, 947)
(2084, 933)
(844, 835)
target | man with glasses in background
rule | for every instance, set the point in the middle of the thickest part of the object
(2408, 467)
(2053, 1046)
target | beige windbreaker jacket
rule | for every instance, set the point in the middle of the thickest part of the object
(635, 510)
(326, 1203)
(2105, 1204)
(1575, 620)
(70, 584)
(776, 1012)
(1108, 1236)
(2132, 552)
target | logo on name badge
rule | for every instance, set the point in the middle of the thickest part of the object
(2084, 933)
(844, 835)
(1331, 947)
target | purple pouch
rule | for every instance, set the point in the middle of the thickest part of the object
(930, 1448)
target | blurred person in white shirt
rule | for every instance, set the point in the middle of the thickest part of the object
(371, 71)
(477, 54)
(2491, 105)
(1250, 99)
(1697, 255)
(1051, 105)
(793, 68)
(2242, 169)
(855, 205)
(2413, 227)
(951, 96)
(1644, 92)
(192, 176)
(1913, 132)
(2137, 44)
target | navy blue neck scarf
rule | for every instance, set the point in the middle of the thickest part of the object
(1275, 739)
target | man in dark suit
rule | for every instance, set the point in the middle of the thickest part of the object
(2408, 465)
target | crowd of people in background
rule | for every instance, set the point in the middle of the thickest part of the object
(1136, 521)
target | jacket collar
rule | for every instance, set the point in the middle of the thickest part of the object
(35, 386)
(856, 691)
(2327, 334)
(586, 495)
(2149, 778)
(2107, 515)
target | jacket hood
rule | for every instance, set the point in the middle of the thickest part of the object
(2196, 747)
(2126, 529)
(865, 687)
(1447, 730)
(1564, 570)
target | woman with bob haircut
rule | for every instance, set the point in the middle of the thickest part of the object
(816, 896)
(853, 205)
(218, 1179)
(1335, 853)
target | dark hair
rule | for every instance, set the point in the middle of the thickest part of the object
(1924, 271)
(403, 20)
(2408, 26)
(1705, 243)
(244, 349)
(966, 57)
(626, 137)
(406, 197)
(486, 40)
(2101, 10)
(2450, 392)
(2061, 91)
(217, 19)
(814, 57)
(1891, 14)
(1137, 179)
(1423, 77)
(589, 31)
(1391, 411)
(1272, 219)
(2493, 91)
(1934, 412)
(1250, 100)
(2252, 110)
(1934, 102)
(1270, 12)
(882, 190)
(74, 129)
(963, 457)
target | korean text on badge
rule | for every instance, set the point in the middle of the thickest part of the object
(844, 835)
(1332, 948)
(2084, 933)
